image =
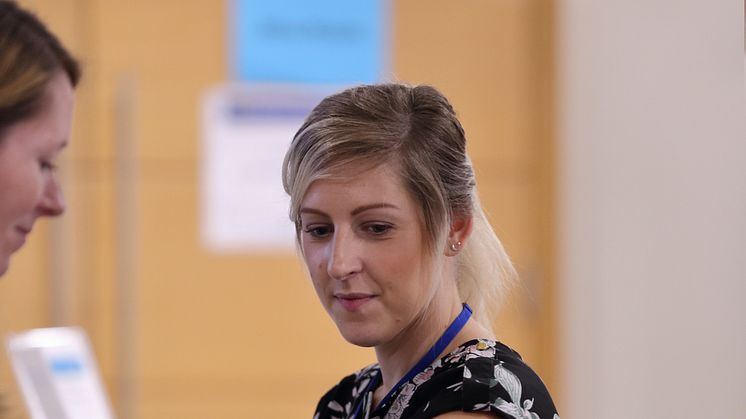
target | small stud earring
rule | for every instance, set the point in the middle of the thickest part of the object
(456, 246)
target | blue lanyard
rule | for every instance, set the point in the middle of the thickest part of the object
(440, 345)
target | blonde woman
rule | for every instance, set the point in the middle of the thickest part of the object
(402, 258)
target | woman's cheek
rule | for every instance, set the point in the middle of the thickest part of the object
(315, 262)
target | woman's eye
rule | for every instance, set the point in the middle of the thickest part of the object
(378, 229)
(318, 231)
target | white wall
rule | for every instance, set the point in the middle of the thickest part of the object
(652, 202)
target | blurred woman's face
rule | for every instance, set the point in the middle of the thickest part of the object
(363, 245)
(28, 184)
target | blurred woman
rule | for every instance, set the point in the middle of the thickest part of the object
(402, 258)
(37, 78)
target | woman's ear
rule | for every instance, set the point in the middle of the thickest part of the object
(459, 233)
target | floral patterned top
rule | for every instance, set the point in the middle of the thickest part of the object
(479, 376)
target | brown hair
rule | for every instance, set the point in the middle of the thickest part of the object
(416, 130)
(30, 55)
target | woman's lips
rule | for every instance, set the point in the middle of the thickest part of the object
(353, 302)
(23, 230)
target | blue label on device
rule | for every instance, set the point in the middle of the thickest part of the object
(66, 366)
(325, 41)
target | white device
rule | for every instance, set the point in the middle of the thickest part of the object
(57, 374)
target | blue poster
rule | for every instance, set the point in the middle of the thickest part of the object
(301, 41)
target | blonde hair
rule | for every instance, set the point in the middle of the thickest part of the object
(414, 129)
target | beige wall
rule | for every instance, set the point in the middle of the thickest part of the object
(652, 198)
(182, 333)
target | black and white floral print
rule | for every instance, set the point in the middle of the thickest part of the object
(479, 376)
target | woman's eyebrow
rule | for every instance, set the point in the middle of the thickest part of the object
(356, 211)
(364, 208)
(306, 210)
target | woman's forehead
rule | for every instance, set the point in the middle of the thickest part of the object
(380, 182)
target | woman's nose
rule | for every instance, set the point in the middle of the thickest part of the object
(52, 201)
(344, 260)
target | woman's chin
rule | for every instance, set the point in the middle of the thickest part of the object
(358, 336)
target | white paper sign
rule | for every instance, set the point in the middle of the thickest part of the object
(246, 132)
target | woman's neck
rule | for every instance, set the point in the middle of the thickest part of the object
(398, 356)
